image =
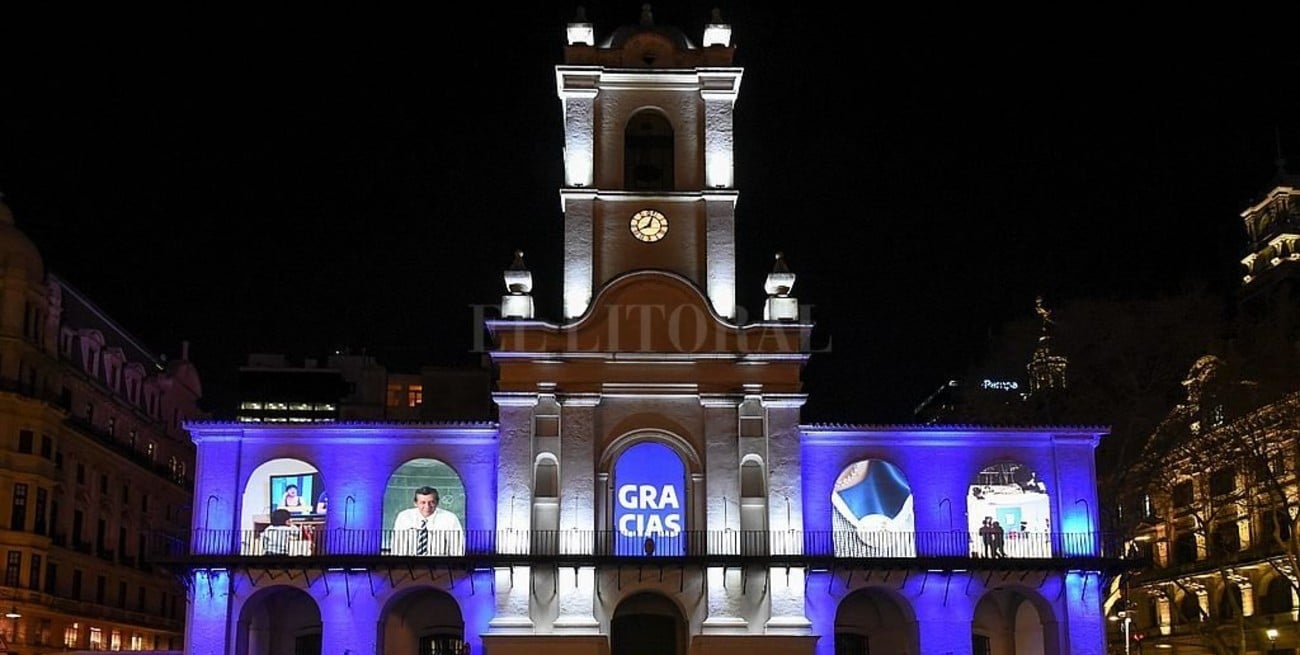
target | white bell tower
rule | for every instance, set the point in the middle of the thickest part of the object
(648, 159)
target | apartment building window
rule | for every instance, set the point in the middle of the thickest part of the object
(101, 588)
(131, 437)
(1183, 494)
(42, 632)
(51, 578)
(394, 395)
(78, 518)
(137, 641)
(115, 640)
(126, 493)
(1275, 528)
(1227, 539)
(76, 584)
(90, 413)
(103, 483)
(150, 450)
(112, 426)
(71, 634)
(1277, 463)
(415, 395)
(144, 502)
(34, 574)
(162, 604)
(96, 638)
(121, 595)
(47, 446)
(13, 566)
(81, 473)
(139, 599)
(42, 497)
(1185, 548)
(1223, 482)
(26, 441)
(18, 517)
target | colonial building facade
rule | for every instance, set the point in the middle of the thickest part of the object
(94, 460)
(1215, 499)
(648, 485)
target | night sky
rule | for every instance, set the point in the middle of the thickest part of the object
(302, 184)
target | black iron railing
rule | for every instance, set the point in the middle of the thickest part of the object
(316, 541)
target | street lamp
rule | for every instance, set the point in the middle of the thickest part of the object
(1271, 633)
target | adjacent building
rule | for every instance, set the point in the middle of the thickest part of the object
(94, 463)
(647, 485)
(1214, 497)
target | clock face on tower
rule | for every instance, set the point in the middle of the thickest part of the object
(649, 225)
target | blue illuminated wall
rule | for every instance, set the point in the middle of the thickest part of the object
(939, 465)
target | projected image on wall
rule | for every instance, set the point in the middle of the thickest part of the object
(873, 511)
(284, 508)
(1008, 513)
(423, 507)
(649, 501)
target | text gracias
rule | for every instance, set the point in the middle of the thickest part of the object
(644, 514)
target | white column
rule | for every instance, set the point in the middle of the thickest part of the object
(514, 471)
(512, 615)
(576, 87)
(579, 240)
(721, 251)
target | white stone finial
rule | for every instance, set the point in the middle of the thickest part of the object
(580, 30)
(717, 32)
(519, 282)
(780, 281)
(780, 305)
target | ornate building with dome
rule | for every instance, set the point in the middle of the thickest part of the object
(94, 462)
(648, 485)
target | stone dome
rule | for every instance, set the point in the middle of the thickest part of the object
(17, 252)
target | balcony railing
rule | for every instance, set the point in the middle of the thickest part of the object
(532, 545)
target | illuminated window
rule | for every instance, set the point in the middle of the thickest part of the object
(250, 405)
(300, 407)
(96, 638)
(150, 449)
(394, 395)
(115, 640)
(137, 642)
(324, 407)
(415, 395)
(277, 406)
(71, 634)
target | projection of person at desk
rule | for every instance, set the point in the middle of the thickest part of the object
(279, 537)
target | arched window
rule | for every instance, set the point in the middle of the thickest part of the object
(650, 501)
(1008, 512)
(546, 478)
(872, 511)
(424, 504)
(648, 152)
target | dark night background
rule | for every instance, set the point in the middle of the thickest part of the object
(260, 183)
